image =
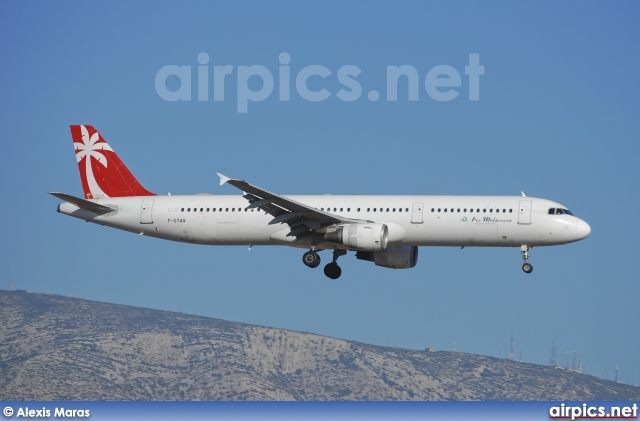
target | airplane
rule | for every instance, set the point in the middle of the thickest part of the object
(384, 229)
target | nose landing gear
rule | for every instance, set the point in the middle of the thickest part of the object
(526, 267)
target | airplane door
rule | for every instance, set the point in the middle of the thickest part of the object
(524, 216)
(416, 213)
(145, 211)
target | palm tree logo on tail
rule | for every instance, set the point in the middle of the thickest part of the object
(90, 148)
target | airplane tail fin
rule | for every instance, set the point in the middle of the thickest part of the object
(102, 172)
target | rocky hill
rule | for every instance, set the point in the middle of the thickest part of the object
(60, 348)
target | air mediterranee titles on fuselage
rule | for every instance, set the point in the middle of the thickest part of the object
(385, 229)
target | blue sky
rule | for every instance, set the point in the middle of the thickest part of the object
(557, 117)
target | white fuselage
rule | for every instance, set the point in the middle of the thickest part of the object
(494, 221)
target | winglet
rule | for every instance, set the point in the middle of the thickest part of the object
(223, 178)
(523, 195)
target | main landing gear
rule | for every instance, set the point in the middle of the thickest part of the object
(526, 267)
(331, 270)
(311, 259)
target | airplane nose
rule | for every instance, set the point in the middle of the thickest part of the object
(583, 229)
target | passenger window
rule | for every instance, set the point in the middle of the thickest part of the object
(490, 210)
(445, 209)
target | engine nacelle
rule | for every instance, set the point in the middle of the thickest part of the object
(367, 236)
(404, 257)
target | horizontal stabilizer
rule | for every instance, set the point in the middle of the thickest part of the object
(82, 203)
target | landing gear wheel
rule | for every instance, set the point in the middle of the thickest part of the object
(311, 259)
(332, 270)
(526, 267)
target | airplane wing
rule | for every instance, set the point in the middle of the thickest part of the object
(82, 203)
(302, 219)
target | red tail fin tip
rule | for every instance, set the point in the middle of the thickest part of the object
(102, 172)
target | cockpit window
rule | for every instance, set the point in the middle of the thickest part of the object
(559, 211)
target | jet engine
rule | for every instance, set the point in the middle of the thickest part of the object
(404, 257)
(367, 236)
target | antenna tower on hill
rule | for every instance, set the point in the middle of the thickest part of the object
(511, 357)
